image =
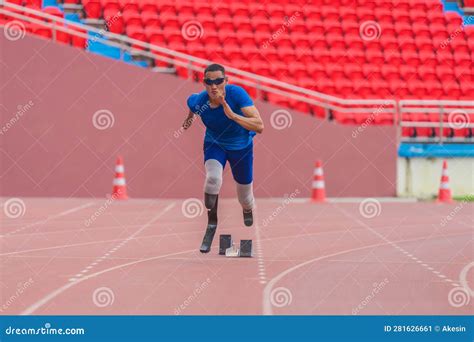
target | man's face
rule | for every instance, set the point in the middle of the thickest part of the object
(215, 77)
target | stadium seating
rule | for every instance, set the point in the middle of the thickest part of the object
(43, 31)
(412, 56)
(469, 3)
(404, 49)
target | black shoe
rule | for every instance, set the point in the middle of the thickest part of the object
(248, 218)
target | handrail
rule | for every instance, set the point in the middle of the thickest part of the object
(261, 83)
(445, 107)
(191, 58)
(458, 117)
(438, 102)
(198, 64)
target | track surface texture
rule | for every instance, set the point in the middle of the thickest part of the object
(102, 257)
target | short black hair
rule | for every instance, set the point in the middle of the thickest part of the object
(214, 67)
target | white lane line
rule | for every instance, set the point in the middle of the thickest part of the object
(63, 213)
(32, 308)
(266, 300)
(439, 274)
(115, 248)
(260, 261)
(90, 243)
(170, 234)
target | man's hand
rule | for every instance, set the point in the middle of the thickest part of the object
(188, 121)
(227, 110)
(220, 97)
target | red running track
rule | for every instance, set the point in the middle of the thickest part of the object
(141, 257)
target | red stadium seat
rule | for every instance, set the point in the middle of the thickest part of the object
(54, 11)
(62, 36)
(92, 8)
(41, 30)
(77, 41)
(417, 51)
(114, 22)
(33, 3)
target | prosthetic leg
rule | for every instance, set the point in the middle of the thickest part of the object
(211, 202)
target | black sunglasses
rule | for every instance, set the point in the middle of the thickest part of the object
(217, 81)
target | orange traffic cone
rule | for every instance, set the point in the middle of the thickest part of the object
(319, 192)
(120, 186)
(444, 194)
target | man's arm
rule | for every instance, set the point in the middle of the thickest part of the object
(188, 121)
(252, 120)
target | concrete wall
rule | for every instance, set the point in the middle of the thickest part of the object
(50, 146)
(420, 177)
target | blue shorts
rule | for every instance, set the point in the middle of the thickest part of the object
(241, 161)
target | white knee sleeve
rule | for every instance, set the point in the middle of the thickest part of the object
(213, 176)
(245, 195)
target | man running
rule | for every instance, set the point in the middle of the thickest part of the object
(231, 121)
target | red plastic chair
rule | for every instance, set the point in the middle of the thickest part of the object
(92, 8)
(54, 11)
(114, 21)
(42, 31)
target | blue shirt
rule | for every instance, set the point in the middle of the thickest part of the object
(219, 128)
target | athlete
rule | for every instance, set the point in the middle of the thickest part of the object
(231, 121)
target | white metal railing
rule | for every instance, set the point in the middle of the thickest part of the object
(260, 83)
(450, 115)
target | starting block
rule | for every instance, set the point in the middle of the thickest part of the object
(227, 247)
(225, 242)
(232, 252)
(246, 248)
